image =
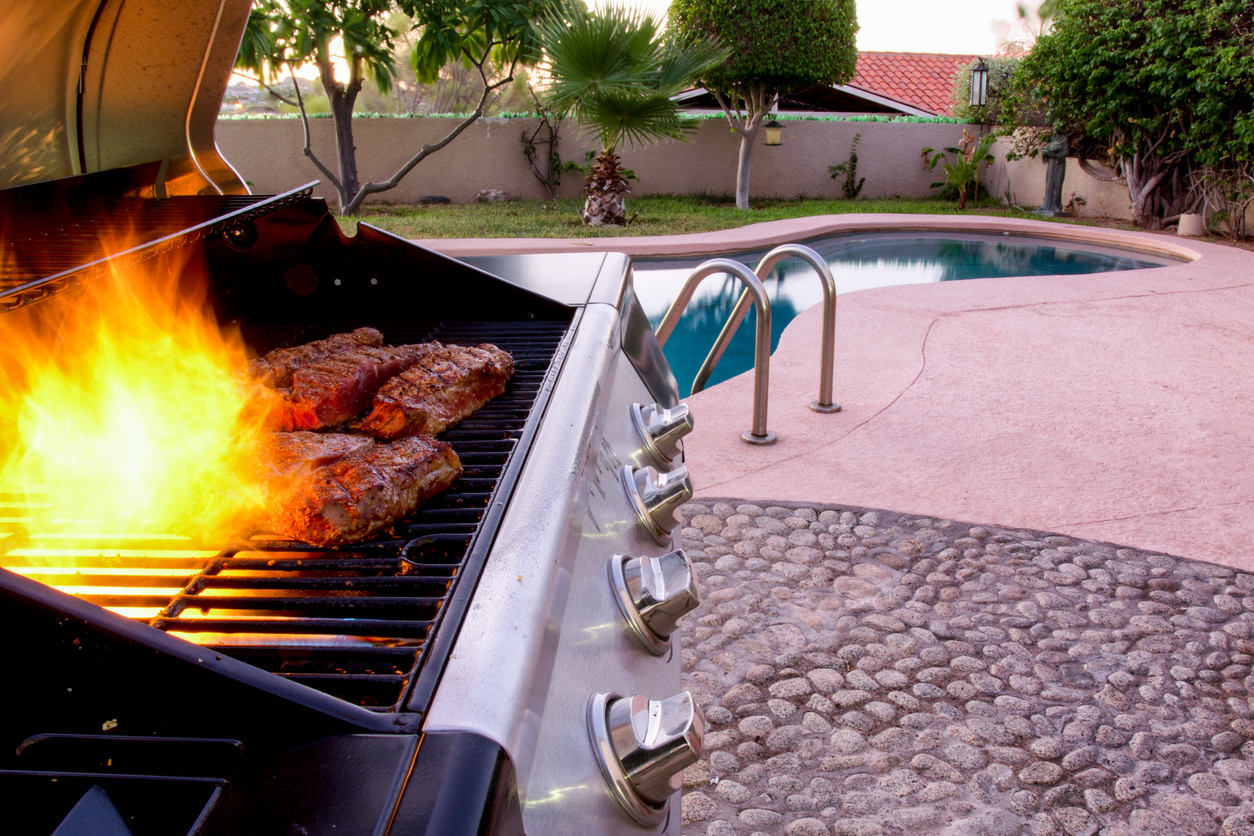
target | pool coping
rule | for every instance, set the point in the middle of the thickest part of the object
(772, 233)
(1107, 407)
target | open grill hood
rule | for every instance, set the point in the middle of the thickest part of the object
(93, 85)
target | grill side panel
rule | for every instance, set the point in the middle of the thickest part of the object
(545, 630)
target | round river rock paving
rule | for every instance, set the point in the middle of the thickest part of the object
(869, 673)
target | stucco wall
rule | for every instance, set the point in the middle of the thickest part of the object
(488, 155)
(1022, 183)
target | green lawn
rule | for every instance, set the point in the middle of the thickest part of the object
(653, 215)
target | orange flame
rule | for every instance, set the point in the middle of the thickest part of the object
(126, 404)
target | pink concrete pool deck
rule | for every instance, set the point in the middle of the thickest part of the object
(1113, 407)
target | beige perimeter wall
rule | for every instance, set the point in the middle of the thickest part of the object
(488, 155)
(1022, 183)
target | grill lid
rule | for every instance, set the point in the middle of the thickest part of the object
(92, 85)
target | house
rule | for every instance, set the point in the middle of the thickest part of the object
(887, 83)
(915, 83)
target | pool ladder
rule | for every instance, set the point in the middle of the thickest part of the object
(755, 294)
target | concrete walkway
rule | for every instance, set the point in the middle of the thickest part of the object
(1112, 407)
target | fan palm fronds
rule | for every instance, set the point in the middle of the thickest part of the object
(615, 73)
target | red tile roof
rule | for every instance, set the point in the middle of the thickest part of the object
(923, 80)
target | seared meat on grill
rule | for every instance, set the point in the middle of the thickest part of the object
(438, 391)
(275, 368)
(337, 388)
(366, 490)
(292, 455)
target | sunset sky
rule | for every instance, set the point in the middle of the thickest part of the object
(970, 27)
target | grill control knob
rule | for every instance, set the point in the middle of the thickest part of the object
(657, 497)
(653, 593)
(662, 429)
(642, 746)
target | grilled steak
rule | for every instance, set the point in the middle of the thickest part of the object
(294, 454)
(275, 368)
(365, 490)
(337, 388)
(438, 391)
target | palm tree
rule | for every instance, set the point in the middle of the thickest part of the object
(615, 74)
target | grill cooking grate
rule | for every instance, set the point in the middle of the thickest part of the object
(358, 622)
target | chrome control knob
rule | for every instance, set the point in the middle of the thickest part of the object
(661, 429)
(642, 746)
(653, 593)
(657, 497)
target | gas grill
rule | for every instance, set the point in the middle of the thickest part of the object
(498, 661)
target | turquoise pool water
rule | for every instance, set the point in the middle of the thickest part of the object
(857, 262)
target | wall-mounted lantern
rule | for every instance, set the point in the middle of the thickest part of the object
(773, 132)
(979, 84)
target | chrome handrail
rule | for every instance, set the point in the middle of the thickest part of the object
(827, 349)
(762, 348)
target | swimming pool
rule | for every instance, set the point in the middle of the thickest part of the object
(858, 262)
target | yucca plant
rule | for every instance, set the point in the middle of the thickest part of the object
(615, 73)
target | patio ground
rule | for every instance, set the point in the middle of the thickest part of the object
(1043, 668)
(1112, 407)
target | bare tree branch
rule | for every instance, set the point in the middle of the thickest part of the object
(368, 189)
(1091, 168)
(550, 177)
(727, 111)
(307, 150)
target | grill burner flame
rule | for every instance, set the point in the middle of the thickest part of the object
(132, 432)
(130, 410)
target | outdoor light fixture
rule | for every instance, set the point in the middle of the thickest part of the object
(773, 132)
(979, 84)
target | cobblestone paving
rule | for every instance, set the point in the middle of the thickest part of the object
(867, 673)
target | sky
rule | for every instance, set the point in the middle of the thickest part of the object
(967, 27)
(903, 25)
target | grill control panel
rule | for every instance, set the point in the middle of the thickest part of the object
(661, 430)
(551, 632)
(643, 746)
(653, 593)
(657, 497)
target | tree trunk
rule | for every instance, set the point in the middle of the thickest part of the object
(751, 104)
(1145, 171)
(358, 192)
(747, 139)
(345, 150)
(605, 209)
(342, 98)
(605, 190)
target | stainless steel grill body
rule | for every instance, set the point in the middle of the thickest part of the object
(445, 683)
(489, 616)
(525, 665)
